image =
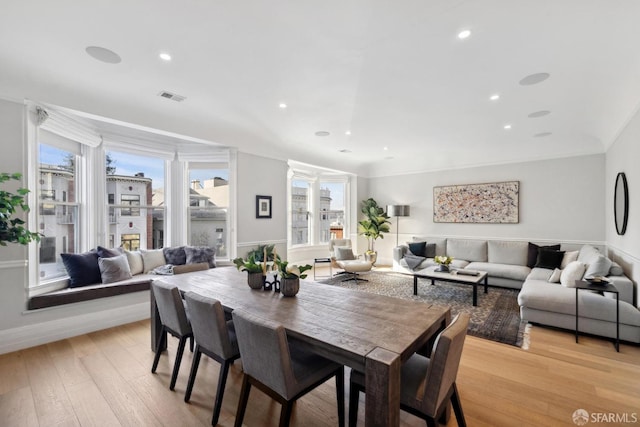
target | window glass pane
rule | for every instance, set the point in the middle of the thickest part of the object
(57, 210)
(135, 198)
(300, 215)
(208, 206)
(331, 211)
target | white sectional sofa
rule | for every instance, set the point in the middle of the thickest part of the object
(540, 301)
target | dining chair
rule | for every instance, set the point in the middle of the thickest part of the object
(173, 317)
(427, 383)
(215, 337)
(282, 368)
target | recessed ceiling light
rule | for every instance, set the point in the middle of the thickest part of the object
(348, 133)
(533, 79)
(165, 56)
(282, 105)
(464, 34)
(103, 54)
(540, 113)
(542, 134)
(385, 148)
(322, 133)
(507, 127)
(494, 97)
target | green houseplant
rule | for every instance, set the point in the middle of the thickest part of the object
(12, 230)
(291, 275)
(375, 223)
(256, 271)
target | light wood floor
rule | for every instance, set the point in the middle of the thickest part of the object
(104, 378)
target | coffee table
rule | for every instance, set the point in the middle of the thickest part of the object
(453, 277)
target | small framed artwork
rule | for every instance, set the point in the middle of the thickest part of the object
(263, 206)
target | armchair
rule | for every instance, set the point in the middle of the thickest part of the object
(342, 257)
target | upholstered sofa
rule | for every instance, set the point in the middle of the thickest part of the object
(102, 272)
(512, 264)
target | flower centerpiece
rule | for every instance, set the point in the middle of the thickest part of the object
(291, 275)
(443, 262)
(256, 271)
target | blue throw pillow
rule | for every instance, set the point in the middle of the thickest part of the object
(82, 269)
(175, 255)
(196, 254)
(418, 248)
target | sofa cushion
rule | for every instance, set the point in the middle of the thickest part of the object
(134, 258)
(470, 250)
(568, 257)
(548, 258)
(343, 253)
(506, 252)
(196, 254)
(82, 268)
(175, 255)
(540, 274)
(441, 244)
(506, 271)
(598, 266)
(114, 269)
(152, 258)
(417, 248)
(572, 272)
(555, 276)
(587, 252)
(532, 252)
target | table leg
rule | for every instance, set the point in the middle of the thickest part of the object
(576, 315)
(415, 285)
(486, 284)
(475, 294)
(382, 377)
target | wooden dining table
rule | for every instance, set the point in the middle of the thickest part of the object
(371, 333)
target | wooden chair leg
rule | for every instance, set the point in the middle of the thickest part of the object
(457, 407)
(176, 364)
(192, 374)
(242, 402)
(354, 396)
(222, 380)
(340, 395)
(159, 346)
(285, 413)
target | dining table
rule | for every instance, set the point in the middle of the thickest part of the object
(368, 332)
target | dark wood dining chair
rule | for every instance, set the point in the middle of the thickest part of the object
(427, 384)
(281, 368)
(215, 337)
(174, 321)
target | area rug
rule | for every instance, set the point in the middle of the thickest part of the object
(496, 317)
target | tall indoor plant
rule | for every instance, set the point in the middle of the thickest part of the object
(12, 230)
(375, 223)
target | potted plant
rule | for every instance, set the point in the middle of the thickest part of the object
(443, 262)
(256, 271)
(12, 229)
(376, 223)
(291, 275)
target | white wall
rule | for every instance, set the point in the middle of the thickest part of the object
(560, 200)
(265, 177)
(622, 156)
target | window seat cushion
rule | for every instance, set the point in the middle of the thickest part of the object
(68, 295)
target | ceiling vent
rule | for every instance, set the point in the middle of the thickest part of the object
(172, 96)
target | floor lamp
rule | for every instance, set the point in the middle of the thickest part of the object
(397, 211)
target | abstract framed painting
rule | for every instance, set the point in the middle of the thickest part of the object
(494, 203)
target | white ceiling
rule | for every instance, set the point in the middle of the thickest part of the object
(392, 72)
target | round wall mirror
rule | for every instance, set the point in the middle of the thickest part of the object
(621, 203)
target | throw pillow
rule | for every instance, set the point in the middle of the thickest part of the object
(616, 269)
(430, 250)
(567, 258)
(573, 272)
(532, 254)
(598, 266)
(417, 248)
(108, 253)
(175, 256)
(343, 253)
(548, 258)
(82, 268)
(134, 258)
(152, 258)
(114, 269)
(555, 276)
(196, 254)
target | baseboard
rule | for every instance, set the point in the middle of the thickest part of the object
(41, 333)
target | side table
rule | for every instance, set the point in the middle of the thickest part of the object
(322, 261)
(600, 287)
